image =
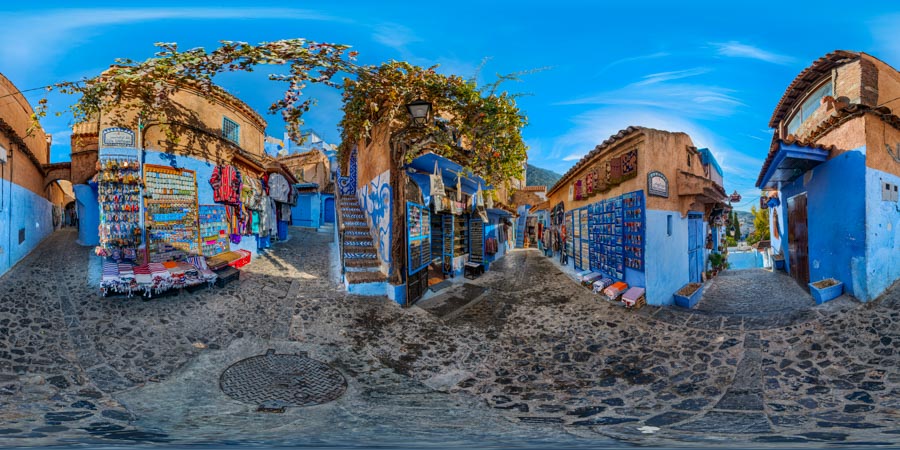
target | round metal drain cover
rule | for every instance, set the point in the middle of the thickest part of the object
(282, 380)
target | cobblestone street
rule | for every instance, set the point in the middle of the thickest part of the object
(537, 358)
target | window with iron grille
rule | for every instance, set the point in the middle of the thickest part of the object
(231, 130)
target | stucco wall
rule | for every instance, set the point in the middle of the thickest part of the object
(878, 135)
(21, 209)
(882, 234)
(660, 151)
(307, 212)
(375, 158)
(835, 220)
(665, 257)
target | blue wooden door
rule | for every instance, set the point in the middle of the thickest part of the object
(695, 246)
(304, 203)
(329, 210)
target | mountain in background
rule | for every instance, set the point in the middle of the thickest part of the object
(746, 221)
(535, 176)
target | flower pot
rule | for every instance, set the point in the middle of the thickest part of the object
(685, 298)
(827, 289)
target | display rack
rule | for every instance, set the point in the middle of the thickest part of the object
(213, 230)
(585, 251)
(171, 213)
(633, 229)
(437, 236)
(570, 239)
(448, 243)
(418, 220)
(476, 239)
(119, 197)
(460, 235)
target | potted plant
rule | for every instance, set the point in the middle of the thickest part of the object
(826, 289)
(689, 295)
(778, 259)
(718, 262)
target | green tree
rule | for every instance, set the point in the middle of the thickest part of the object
(760, 225)
(736, 234)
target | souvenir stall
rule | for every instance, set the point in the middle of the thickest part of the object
(609, 250)
(418, 240)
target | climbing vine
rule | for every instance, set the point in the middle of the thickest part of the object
(147, 86)
(477, 127)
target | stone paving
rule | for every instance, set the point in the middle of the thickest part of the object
(537, 356)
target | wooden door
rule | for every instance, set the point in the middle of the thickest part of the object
(798, 243)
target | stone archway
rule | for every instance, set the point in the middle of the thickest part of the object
(56, 172)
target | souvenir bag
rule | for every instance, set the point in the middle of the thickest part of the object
(458, 188)
(437, 188)
(489, 201)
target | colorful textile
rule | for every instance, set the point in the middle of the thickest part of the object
(631, 296)
(226, 185)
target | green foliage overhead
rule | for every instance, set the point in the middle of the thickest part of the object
(147, 86)
(479, 128)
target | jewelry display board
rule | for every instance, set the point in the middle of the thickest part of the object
(609, 238)
(594, 234)
(171, 213)
(448, 243)
(418, 227)
(570, 239)
(213, 230)
(584, 255)
(119, 196)
(476, 239)
(633, 229)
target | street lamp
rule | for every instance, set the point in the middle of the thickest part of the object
(419, 110)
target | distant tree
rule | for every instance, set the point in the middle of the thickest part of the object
(760, 225)
(730, 241)
(736, 234)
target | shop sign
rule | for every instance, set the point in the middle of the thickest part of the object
(657, 184)
(735, 197)
(117, 138)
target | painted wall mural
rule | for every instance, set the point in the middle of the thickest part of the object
(347, 185)
(375, 200)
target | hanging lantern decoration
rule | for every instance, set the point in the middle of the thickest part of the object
(735, 197)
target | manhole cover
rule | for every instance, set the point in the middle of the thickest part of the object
(278, 380)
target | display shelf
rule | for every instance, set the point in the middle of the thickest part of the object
(633, 229)
(171, 213)
(476, 236)
(118, 195)
(418, 219)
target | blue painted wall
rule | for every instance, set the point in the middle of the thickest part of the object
(666, 257)
(88, 215)
(882, 235)
(22, 209)
(836, 220)
(307, 213)
(375, 201)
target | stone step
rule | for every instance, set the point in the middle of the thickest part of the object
(365, 277)
(356, 231)
(356, 224)
(360, 253)
(366, 243)
(362, 237)
(356, 263)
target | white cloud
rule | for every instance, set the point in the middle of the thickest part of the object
(395, 36)
(692, 100)
(593, 127)
(736, 49)
(32, 40)
(661, 77)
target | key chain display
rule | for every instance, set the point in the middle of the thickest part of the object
(213, 230)
(171, 213)
(118, 193)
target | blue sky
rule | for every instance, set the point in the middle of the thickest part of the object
(713, 70)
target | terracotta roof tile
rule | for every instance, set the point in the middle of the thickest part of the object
(811, 74)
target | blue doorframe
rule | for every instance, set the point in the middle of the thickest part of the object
(329, 210)
(695, 246)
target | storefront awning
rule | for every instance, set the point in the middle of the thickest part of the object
(789, 160)
(498, 212)
(451, 170)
